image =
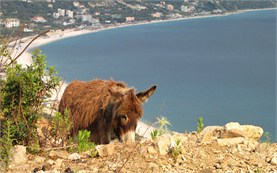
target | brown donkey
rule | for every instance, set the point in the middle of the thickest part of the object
(105, 108)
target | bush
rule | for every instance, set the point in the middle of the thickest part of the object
(22, 93)
(60, 128)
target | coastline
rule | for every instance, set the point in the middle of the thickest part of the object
(58, 35)
(53, 36)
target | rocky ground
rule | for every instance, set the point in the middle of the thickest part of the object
(231, 148)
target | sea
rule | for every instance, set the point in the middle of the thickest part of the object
(221, 68)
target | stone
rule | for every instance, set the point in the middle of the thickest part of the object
(19, 156)
(59, 163)
(234, 129)
(151, 150)
(251, 144)
(39, 159)
(273, 160)
(210, 133)
(50, 161)
(54, 154)
(163, 144)
(105, 150)
(230, 141)
(46, 167)
(74, 156)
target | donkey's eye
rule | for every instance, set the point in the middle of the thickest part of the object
(124, 119)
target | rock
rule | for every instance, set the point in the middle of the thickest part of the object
(273, 160)
(50, 161)
(230, 141)
(251, 144)
(46, 167)
(163, 144)
(74, 156)
(234, 129)
(105, 150)
(210, 133)
(151, 150)
(39, 159)
(59, 163)
(68, 170)
(54, 154)
(154, 167)
(19, 156)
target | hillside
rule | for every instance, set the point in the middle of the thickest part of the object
(231, 148)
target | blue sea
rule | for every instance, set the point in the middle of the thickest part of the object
(221, 68)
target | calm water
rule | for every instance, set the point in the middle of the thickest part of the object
(221, 68)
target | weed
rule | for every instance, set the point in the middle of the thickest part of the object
(60, 128)
(200, 125)
(163, 128)
(176, 149)
(6, 143)
(83, 143)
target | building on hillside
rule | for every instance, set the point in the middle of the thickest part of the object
(56, 15)
(38, 19)
(61, 12)
(70, 14)
(170, 7)
(130, 19)
(157, 15)
(11, 22)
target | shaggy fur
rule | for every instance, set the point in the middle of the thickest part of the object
(103, 107)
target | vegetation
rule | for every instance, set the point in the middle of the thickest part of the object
(6, 143)
(22, 94)
(83, 143)
(200, 125)
(176, 149)
(60, 128)
(163, 124)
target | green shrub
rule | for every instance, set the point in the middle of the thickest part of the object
(22, 93)
(60, 128)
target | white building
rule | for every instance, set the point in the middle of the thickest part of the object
(130, 19)
(70, 13)
(170, 7)
(61, 12)
(11, 22)
(39, 19)
(56, 15)
(157, 15)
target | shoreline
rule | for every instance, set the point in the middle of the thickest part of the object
(143, 129)
(53, 36)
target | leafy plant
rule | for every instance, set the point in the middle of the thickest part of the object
(22, 93)
(6, 143)
(60, 127)
(176, 149)
(200, 125)
(163, 128)
(83, 143)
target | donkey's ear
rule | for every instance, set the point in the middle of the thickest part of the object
(144, 95)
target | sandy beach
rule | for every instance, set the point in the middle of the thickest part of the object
(25, 59)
